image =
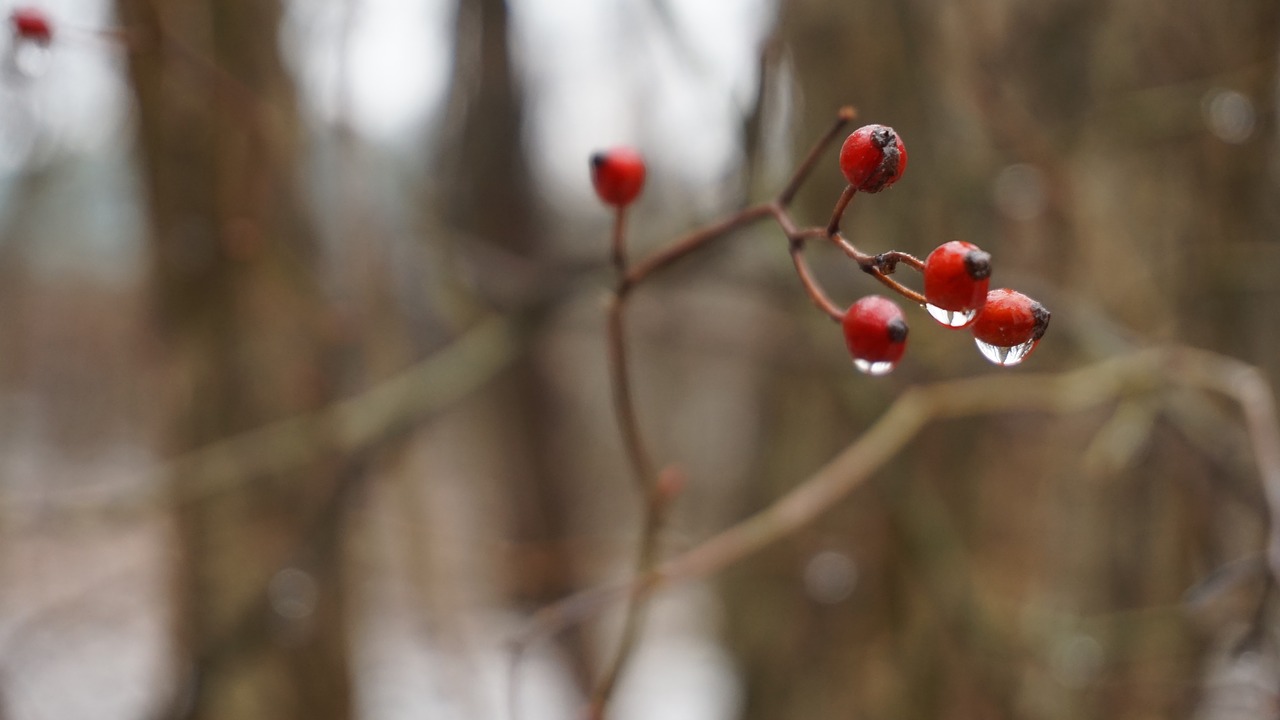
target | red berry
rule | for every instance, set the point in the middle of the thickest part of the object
(956, 277)
(31, 24)
(618, 175)
(873, 158)
(1009, 326)
(876, 333)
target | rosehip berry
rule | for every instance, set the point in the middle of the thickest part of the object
(618, 175)
(1009, 326)
(31, 24)
(876, 334)
(873, 158)
(956, 277)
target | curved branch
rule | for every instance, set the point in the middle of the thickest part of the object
(1143, 371)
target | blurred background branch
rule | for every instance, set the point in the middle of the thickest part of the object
(306, 408)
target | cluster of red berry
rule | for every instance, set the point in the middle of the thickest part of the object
(32, 25)
(1006, 324)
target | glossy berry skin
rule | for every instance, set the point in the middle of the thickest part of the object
(873, 158)
(956, 276)
(31, 24)
(1010, 319)
(875, 330)
(618, 175)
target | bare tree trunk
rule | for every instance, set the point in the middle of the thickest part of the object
(490, 197)
(232, 262)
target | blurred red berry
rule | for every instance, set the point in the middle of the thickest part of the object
(1009, 326)
(873, 158)
(876, 334)
(32, 24)
(956, 277)
(618, 175)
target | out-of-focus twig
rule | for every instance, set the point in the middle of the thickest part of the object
(383, 410)
(1145, 371)
(442, 378)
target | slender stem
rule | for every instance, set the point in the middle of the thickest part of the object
(842, 204)
(693, 241)
(637, 607)
(863, 259)
(887, 261)
(811, 285)
(882, 265)
(844, 116)
(624, 406)
(896, 286)
(641, 462)
(620, 240)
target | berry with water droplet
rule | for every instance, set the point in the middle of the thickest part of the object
(1009, 326)
(956, 277)
(618, 175)
(875, 332)
(873, 158)
(32, 24)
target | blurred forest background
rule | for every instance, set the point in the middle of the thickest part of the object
(303, 379)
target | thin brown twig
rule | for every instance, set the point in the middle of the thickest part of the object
(844, 116)
(896, 286)
(811, 286)
(887, 261)
(620, 240)
(623, 403)
(691, 242)
(637, 610)
(882, 265)
(842, 204)
(347, 426)
(638, 455)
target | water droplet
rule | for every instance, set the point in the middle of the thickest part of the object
(1006, 356)
(293, 593)
(1021, 192)
(30, 59)
(1076, 660)
(879, 367)
(1230, 115)
(951, 318)
(830, 577)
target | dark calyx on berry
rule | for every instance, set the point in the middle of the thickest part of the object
(1010, 319)
(897, 330)
(1041, 315)
(886, 172)
(618, 175)
(977, 263)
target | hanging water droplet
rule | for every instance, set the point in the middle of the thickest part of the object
(29, 59)
(1006, 356)
(293, 593)
(951, 318)
(1230, 115)
(830, 577)
(878, 367)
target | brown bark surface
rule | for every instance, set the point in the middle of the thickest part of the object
(233, 272)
